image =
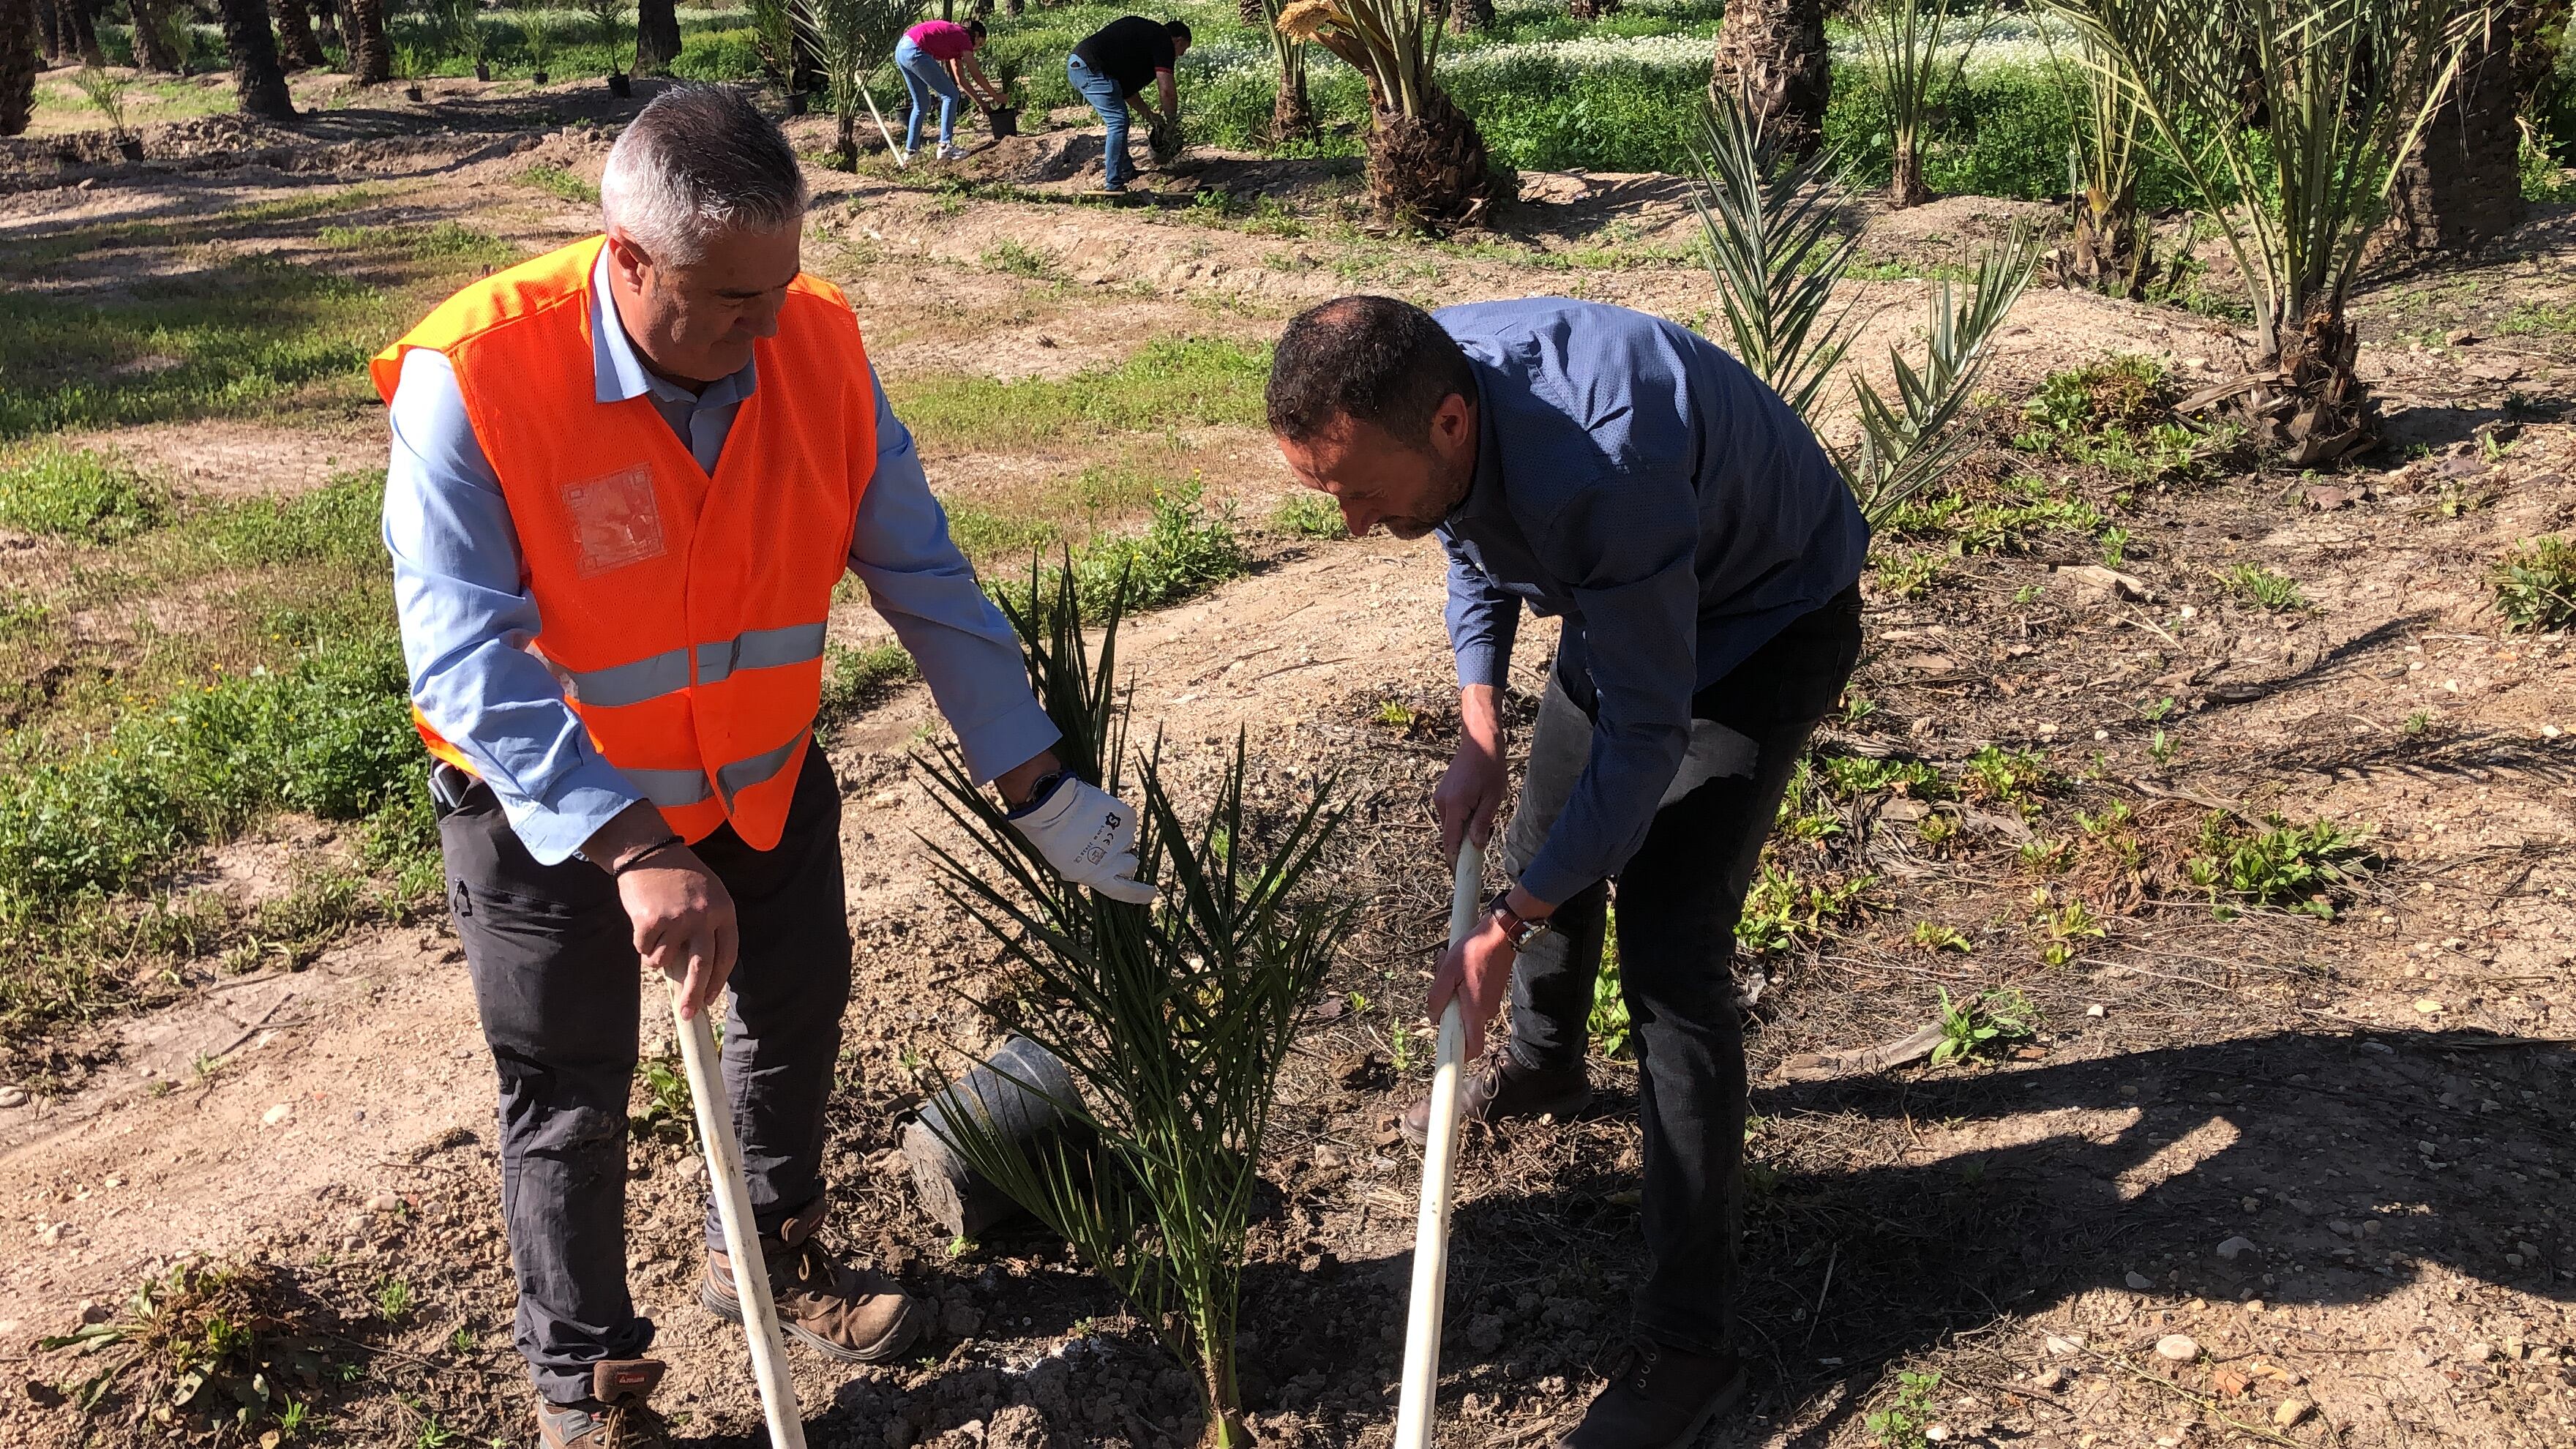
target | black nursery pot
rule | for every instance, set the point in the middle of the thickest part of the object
(1004, 120)
(412, 93)
(482, 71)
(796, 103)
(131, 148)
(537, 78)
(622, 87)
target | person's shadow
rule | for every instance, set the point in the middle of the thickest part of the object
(1887, 1215)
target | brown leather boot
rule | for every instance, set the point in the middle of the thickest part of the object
(845, 1313)
(1498, 1087)
(614, 1416)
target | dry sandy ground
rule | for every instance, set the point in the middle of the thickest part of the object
(2379, 1110)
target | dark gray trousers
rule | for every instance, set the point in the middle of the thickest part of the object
(1679, 898)
(558, 985)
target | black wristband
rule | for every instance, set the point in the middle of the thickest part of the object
(647, 853)
(1039, 793)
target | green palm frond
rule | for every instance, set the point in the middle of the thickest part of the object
(1767, 233)
(1173, 1018)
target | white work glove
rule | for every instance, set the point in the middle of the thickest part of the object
(1089, 836)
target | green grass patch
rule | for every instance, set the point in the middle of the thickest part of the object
(225, 341)
(2008, 517)
(442, 241)
(1183, 552)
(232, 224)
(2535, 584)
(2261, 587)
(77, 494)
(2116, 415)
(1196, 382)
(561, 183)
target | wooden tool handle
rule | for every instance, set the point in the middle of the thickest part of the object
(1439, 1168)
(741, 1234)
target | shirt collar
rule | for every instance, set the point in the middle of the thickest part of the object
(621, 374)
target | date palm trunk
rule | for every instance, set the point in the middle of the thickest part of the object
(1291, 115)
(257, 78)
(1430, 167)
(1905, 186)
(152, 48)
(326, 27)
(2462, 187)
(49, 30)
(657, 36)
(80, 33)
(2111, 247)
(1773, 53)
(371, 61)
(20, 39)
(297, 49)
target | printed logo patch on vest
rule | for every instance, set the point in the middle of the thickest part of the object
(615, 519)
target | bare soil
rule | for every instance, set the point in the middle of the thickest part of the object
(2333, 1154)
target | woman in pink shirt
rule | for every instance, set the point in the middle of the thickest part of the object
(936, 57)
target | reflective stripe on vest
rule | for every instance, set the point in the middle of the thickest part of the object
(668, 671)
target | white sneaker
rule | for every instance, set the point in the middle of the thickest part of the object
(950, 151)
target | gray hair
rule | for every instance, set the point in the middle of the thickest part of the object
(699, 160)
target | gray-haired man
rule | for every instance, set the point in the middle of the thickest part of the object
(626, 476)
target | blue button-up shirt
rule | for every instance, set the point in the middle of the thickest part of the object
(1644, 485)
(467, 613)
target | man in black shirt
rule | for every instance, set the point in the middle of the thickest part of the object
(1111, 68)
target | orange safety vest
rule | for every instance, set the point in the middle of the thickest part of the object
(683, 613)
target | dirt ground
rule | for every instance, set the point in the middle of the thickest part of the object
(2333, 1154)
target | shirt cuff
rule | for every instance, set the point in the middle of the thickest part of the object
(995, 746)
(1483, 662)
(586, 798)
(1552, 880)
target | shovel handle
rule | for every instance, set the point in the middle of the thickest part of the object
(1421, 1386)
(741, 1234)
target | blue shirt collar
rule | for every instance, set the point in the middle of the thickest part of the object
(621, 374)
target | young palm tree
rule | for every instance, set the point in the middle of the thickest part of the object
(2290, 118)
(1426, 159)
(1292, 115)
(2112, 244)
(1906, 39)
(371, 60)
(257, 78)
(1772, 53)
(1767, 231)
(1173, 1018)
(850, 39)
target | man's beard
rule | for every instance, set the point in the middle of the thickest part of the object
(1408, 529)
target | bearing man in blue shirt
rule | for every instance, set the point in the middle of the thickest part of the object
(1628, 476)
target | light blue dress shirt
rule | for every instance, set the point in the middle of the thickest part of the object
(467, 614)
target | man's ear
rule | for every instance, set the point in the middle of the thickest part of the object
(629, 258)
(1453, 423)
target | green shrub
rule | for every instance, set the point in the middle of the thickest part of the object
(2535, 584)
(2117, 415)
(1182, 553)
(75, 493)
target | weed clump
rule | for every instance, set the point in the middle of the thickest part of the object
(2305, 869)
(2116, 415)
(222, 1349)
(2261, 587)
(77, 494)
(854, 679)
(1184, 552)
(1308, 514)
(2535, 584)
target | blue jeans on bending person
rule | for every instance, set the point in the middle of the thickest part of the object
(1111, 103)
(924, 77)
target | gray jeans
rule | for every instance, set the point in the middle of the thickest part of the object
(558, 985)
(1678, 899)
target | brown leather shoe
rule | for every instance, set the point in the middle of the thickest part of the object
(845, 1313)
(1660, 1398)
(614, 1416)
(1498, 1087)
